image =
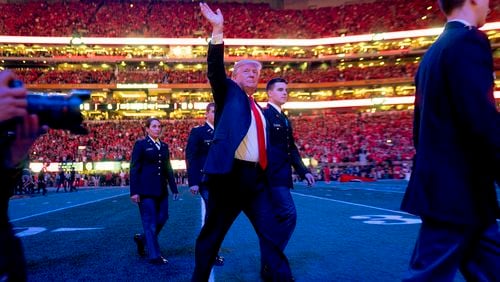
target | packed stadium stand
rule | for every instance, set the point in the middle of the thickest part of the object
(331, 74)
(327, 138)
(174, 19)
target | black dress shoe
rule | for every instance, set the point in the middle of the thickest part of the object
(267, 276)
(219, 261)
(158, 261)
(140, 245)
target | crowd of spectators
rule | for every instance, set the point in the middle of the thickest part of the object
(352, 137)
(179, 19)
(107, 140)
(173, 76)
(337, 138)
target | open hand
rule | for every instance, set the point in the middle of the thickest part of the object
(215, 18)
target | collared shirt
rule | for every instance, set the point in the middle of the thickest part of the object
(210, 125)
(217, 38)
(248, 150)
(156, 142)
(466, 23)
(278, 108)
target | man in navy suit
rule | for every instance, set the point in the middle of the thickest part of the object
(236, 161)
(150, 172)
(198, 143)
(283, 155)
(457, 141)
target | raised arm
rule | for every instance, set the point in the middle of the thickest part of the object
(214, 18)
(216, 71)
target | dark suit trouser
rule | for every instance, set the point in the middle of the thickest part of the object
(12, 262)
(443, 248)
(243, 189)
(285, 221)
(154, 215)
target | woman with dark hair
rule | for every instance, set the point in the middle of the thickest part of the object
(150, 171)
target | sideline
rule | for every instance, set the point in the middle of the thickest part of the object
(350, 203)
(69, 207)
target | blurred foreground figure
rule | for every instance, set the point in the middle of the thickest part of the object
(14, 153)
(457, 141)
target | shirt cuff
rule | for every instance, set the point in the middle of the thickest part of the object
(217, 38)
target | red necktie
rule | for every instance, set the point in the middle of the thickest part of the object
(261, 137)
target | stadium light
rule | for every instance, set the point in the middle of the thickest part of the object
(235, 41)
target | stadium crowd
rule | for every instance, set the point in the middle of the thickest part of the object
(179, 19)
(169, 76)
(336, 138)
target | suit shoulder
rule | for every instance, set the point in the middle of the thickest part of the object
(198, 129)
(140, 141)
(268, 110)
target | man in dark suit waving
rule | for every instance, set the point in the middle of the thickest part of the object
(283, 155)
(236, 160)
(457, 141)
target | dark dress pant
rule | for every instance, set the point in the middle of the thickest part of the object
(243, 189)
(443, 248)
(285, 221)
(12, 262)
(154, 215)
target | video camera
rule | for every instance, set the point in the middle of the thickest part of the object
(54, 110)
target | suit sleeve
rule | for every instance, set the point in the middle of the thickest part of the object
(135, 168)
(191, 152)
(471, 69)
(217, 73)
(170, 175)
(296, 160)
(416, 117)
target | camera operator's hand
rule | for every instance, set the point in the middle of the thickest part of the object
(12, 100)
(27, 132)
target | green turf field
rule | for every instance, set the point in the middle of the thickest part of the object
(345, 232)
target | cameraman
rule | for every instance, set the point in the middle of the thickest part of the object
(13, 156)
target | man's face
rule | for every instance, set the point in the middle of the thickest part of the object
(210, 114)
(247, 76)
(278, 93)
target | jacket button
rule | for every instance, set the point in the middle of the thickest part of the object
(158, 173)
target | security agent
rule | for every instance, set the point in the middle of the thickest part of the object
(457, 141)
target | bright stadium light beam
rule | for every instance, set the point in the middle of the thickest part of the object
(235, 41)
(350, 103)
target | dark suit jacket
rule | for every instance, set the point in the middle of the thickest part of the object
(197, 147)
(456, 131)
(232, 118)
(281, 150)
(150, 169)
